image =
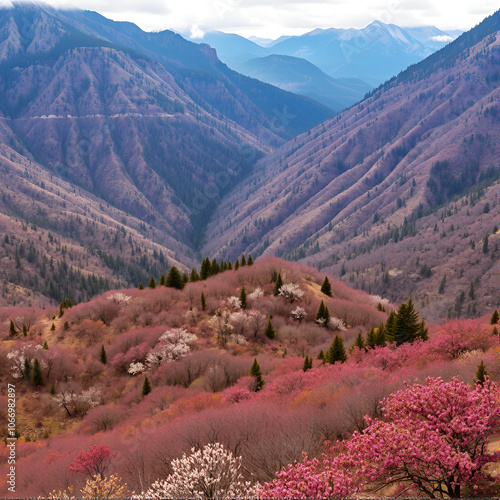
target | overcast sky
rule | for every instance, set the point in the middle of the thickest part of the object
(272, 18)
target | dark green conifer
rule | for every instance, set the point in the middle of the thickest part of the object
(203, 302)
(103, 357)
(326, 287)
(205, 269)
(162, 280)
(152, 283)
(37, 373)
(53, 327)
(66, 325)
(27, 369)
(277, 285)
(174, 279)
(146, 387)
(141, 286)
(321, 355)
(250, 261)
(243, 261)
(270, 333)
(243, 298)
(256, 372)
(45, 346)
(336, 351)
(481, 374)
(495, 317)
(360, 341)
(194, 276)
(371, 338)
(236, 265)
(12, 328)
(307, 363)
(53, 389)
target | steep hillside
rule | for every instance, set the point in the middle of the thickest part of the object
(151, 126)
(396, 194)
(146, 375)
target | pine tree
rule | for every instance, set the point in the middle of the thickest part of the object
(270, 333)
(481, 373)
(404, 325)
(485, 244)
(336, 351)
(321, 355)
(236, 265)
(371, 338)
(423, 331)
(390, 327)
(326, 287)
(141, 286)
(250, 261)
(203, 302)
(53, 327)
(380, 336)
(323, 315)
(360, 342)
(146, 387)
(243, 298)
(229, 266)
(194, 276)
(12, 328)
(307, 363)
(277, 285)
(174, 279)
(256, 372)
(25, 330)
(495, 317)
(205, 269)
(162, 280)
(214, 268)
(152, 283)
(495, 331)
(45, 346)
(243, 261)
(66, 325)
(53, 389)
(27, 369)
(185, 279)
(37, 373)
(103, 357)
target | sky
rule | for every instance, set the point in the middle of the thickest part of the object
(273, 18)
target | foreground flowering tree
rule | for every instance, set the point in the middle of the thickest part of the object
(433, 441)
(209, 473)
(92, 462)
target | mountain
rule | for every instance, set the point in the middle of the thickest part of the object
(372, 54)
(301, 77)
(149, 124)
(397, 195)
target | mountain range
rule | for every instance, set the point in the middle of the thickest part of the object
(123, 153)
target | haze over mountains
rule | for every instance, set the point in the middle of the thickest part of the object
(124, 152)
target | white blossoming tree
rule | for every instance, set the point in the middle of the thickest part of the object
(258, 292)
(136, 368)
(291, 292)
(209, 473)
(298, 314)
(173, 344)
(221, 325)
(336, 324)
(233, 303)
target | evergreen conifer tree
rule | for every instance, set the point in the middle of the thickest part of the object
(236, 265)
(162, 280)
(141, 286)
(495, 331)
(336, 351)
(27, 369)
(326, 287)
(270, 333)
(256, 372)
(103, 357)
(481, 373)
(66, 325)
(12, 328)
(277, 285)
(45, 346)
(495, 317)
(146, 387)
(229, 266)
(243, 261)
(152, 283)
(194, 276)
(214, 268)
(243, 298)
(37, 373)
(250, 261)
(360, 341)
(307, 363)
(174, 279)
(321, 355)
(205, 269)
(203, 302)
(53, 389)
(53, 327)
(323, 315)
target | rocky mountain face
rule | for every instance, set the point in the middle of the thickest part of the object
(149, 124)
(397, 195)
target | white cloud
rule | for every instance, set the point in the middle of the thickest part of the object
(442, 38)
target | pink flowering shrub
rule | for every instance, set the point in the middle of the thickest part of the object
(93, 461)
